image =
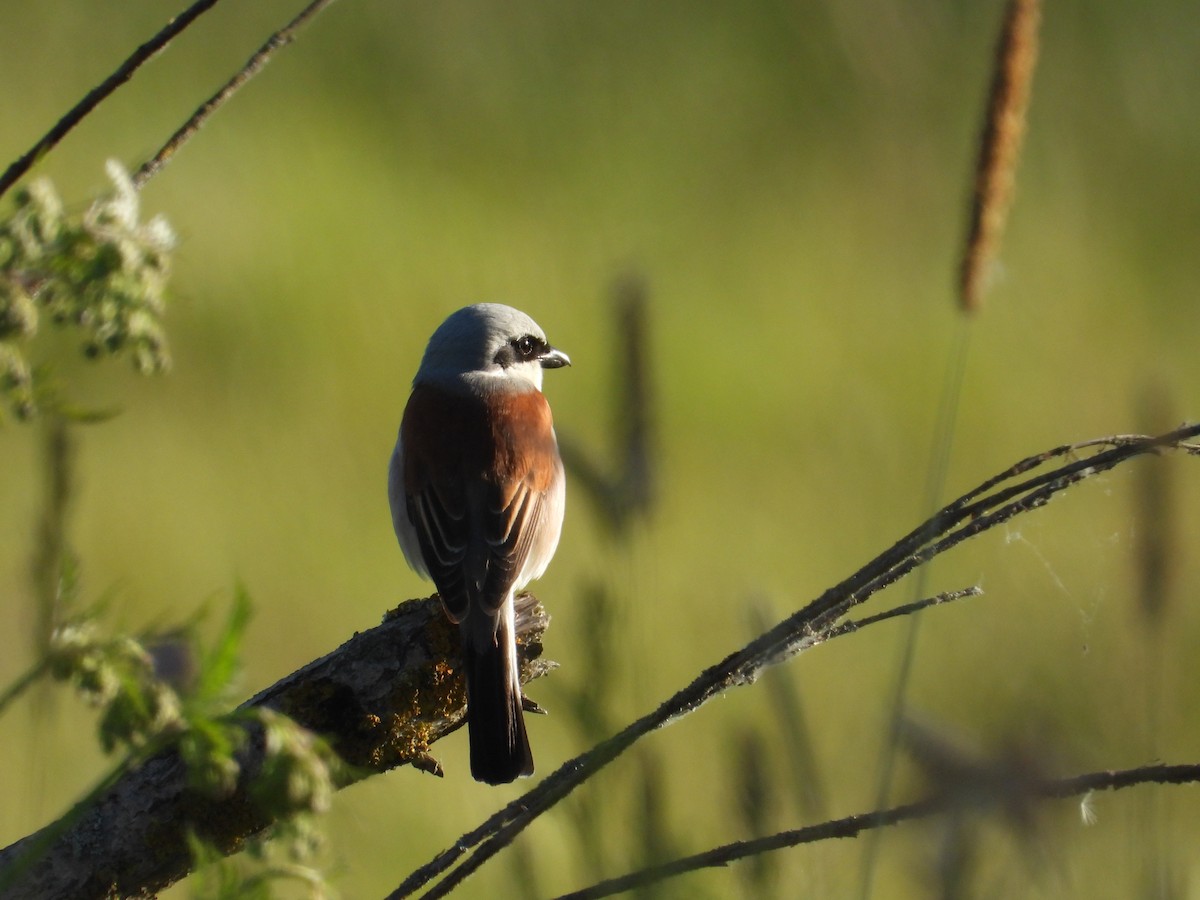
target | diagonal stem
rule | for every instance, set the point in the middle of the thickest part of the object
(96, 95)
(253, 66)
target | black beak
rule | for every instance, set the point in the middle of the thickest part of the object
(554, 359)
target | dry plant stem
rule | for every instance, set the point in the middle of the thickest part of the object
(381, 699)
(991, 504)
(253, 66)
(97, 94)
(999, 147)
(851, 826)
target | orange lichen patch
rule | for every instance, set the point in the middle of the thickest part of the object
(425, 706)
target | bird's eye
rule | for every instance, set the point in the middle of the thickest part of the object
(527, 347)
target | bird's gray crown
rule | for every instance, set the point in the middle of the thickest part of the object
(477, 346)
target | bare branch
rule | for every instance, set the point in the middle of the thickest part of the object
(253, 66)
(851, 826)
(905, 609)
(381, 699)
(96, 95)
(994, 502)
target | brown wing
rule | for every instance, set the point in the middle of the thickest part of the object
(481, 476)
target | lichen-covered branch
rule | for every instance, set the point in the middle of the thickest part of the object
(381, 700)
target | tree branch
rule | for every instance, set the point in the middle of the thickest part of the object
(381, 699)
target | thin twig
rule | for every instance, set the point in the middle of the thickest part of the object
(97, 94)
(851, 826)
(971, 514)
(253, 66)
(905, 609)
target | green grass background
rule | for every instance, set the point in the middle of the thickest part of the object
(791, 181)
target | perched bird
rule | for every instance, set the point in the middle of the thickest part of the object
(477, 493)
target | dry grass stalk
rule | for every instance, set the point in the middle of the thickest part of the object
(1000, 145)
(627, 493)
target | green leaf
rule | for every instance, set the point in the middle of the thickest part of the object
(222, 664)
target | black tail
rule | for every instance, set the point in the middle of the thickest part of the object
(500, 749)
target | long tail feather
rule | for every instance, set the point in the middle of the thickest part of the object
(500, 749)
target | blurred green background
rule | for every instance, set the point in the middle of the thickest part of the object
(790, 180)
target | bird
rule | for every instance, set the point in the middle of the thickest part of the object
(477, 494)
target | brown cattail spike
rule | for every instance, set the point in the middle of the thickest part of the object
(999, 147)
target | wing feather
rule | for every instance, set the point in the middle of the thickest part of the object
(483, 492)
